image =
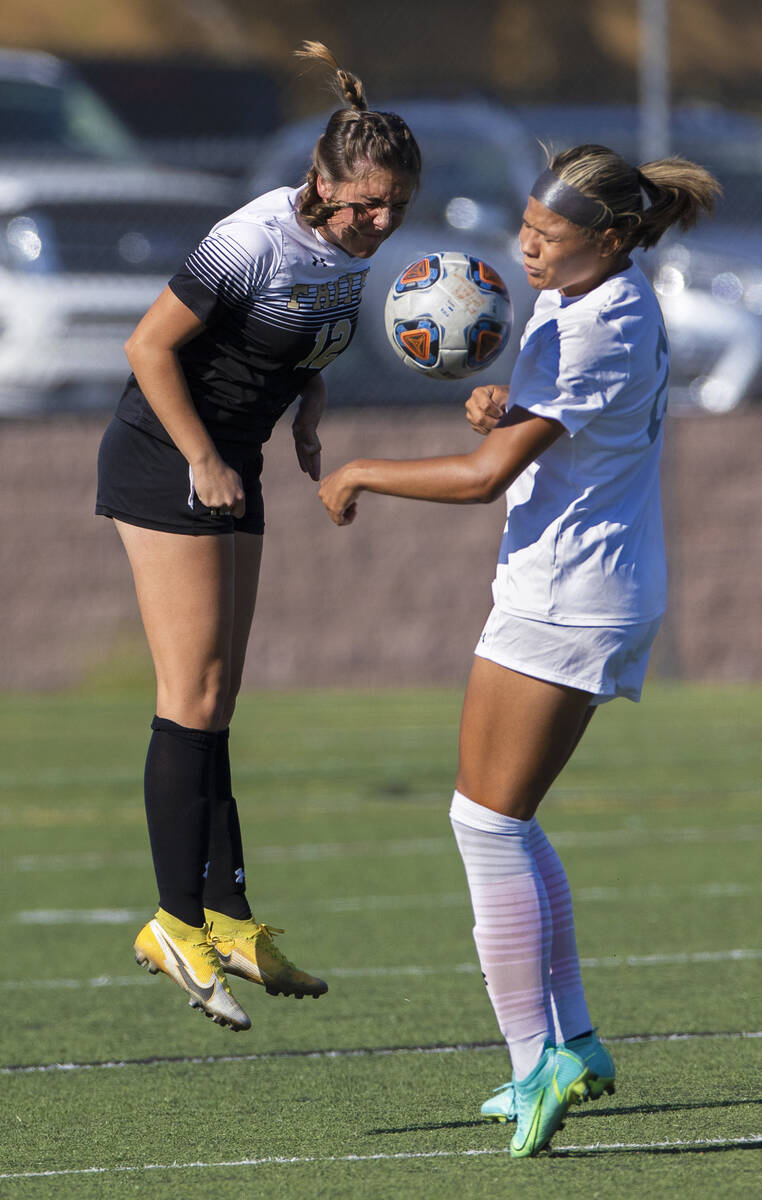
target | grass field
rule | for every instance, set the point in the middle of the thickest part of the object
(112, 1086)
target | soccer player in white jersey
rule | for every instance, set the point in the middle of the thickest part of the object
(266, 301)
(579, 590)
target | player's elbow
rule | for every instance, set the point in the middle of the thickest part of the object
(132, 347)
(491, 491)
(485, 486)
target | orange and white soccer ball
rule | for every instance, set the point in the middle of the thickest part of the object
(448, 315)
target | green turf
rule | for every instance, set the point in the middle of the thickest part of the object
(343, 797)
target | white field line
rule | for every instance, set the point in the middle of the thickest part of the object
(400, 847)
(402, 1156)
(364, 1052)
(356, 904)
(698, 958)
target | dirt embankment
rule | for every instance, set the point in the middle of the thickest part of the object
(400, 596)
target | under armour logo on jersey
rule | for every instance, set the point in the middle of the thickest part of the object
(239, 875)
(318, 262)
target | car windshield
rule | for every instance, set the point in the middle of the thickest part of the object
(37, 118)
(474, 169)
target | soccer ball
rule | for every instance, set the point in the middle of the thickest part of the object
(448, 315)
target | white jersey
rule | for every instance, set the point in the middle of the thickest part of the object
(583, 543)
(279, 303)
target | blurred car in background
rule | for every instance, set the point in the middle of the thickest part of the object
(89, 235)
(708, 280)
(206, 114)
(479, 163)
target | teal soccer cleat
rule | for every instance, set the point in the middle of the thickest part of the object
(544, 1098)
(598, 1061)
(501, 1106)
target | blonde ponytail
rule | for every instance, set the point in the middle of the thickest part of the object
(679, 191)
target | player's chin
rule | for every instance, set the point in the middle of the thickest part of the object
(367, 246)
(535, 280)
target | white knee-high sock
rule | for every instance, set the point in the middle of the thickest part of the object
(570, 1013)
(512, 926)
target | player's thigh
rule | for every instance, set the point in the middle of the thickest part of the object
(186, 593)
(516, 734)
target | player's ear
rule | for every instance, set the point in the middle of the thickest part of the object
(611, 243)
(323, 187)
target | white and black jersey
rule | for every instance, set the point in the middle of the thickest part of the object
(279, 303)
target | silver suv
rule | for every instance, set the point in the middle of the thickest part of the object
(89, 234)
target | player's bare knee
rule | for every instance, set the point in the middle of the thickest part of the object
(201, 705)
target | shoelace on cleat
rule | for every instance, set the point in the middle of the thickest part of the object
(259, 933)
(208, 952)
(265, 933)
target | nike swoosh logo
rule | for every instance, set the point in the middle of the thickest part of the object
(204, 994)
(226, 960)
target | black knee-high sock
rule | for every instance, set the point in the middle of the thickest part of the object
(225, 886)
(178, 778)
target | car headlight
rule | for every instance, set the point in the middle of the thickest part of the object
(25, 244)
(24, 241)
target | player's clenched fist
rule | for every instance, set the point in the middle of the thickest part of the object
(339, 495)
(485, 406)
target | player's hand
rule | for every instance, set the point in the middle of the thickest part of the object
(304, 428)
(485, 406)
(218, 486)
(308, 447)
(339, 495)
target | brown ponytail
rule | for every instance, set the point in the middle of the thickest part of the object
(355, 140)
(346, 86)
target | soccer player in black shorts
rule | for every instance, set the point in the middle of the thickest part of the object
(266, 301)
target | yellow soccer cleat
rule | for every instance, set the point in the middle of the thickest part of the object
(247, 949)
(185, 953)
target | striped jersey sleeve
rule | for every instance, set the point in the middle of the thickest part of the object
(227, 270)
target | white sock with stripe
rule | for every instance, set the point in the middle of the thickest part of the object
(512, 926)
(570, 1012)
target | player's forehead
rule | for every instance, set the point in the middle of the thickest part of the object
(544, 220)
(377, 183)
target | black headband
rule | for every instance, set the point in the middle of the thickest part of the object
(565, 200)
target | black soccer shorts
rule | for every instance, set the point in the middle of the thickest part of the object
(145, 481)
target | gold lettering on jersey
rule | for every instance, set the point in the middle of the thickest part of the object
(323, 298)
(336, 292)
(297, 291)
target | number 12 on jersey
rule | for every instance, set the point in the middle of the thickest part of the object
(330, 341)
